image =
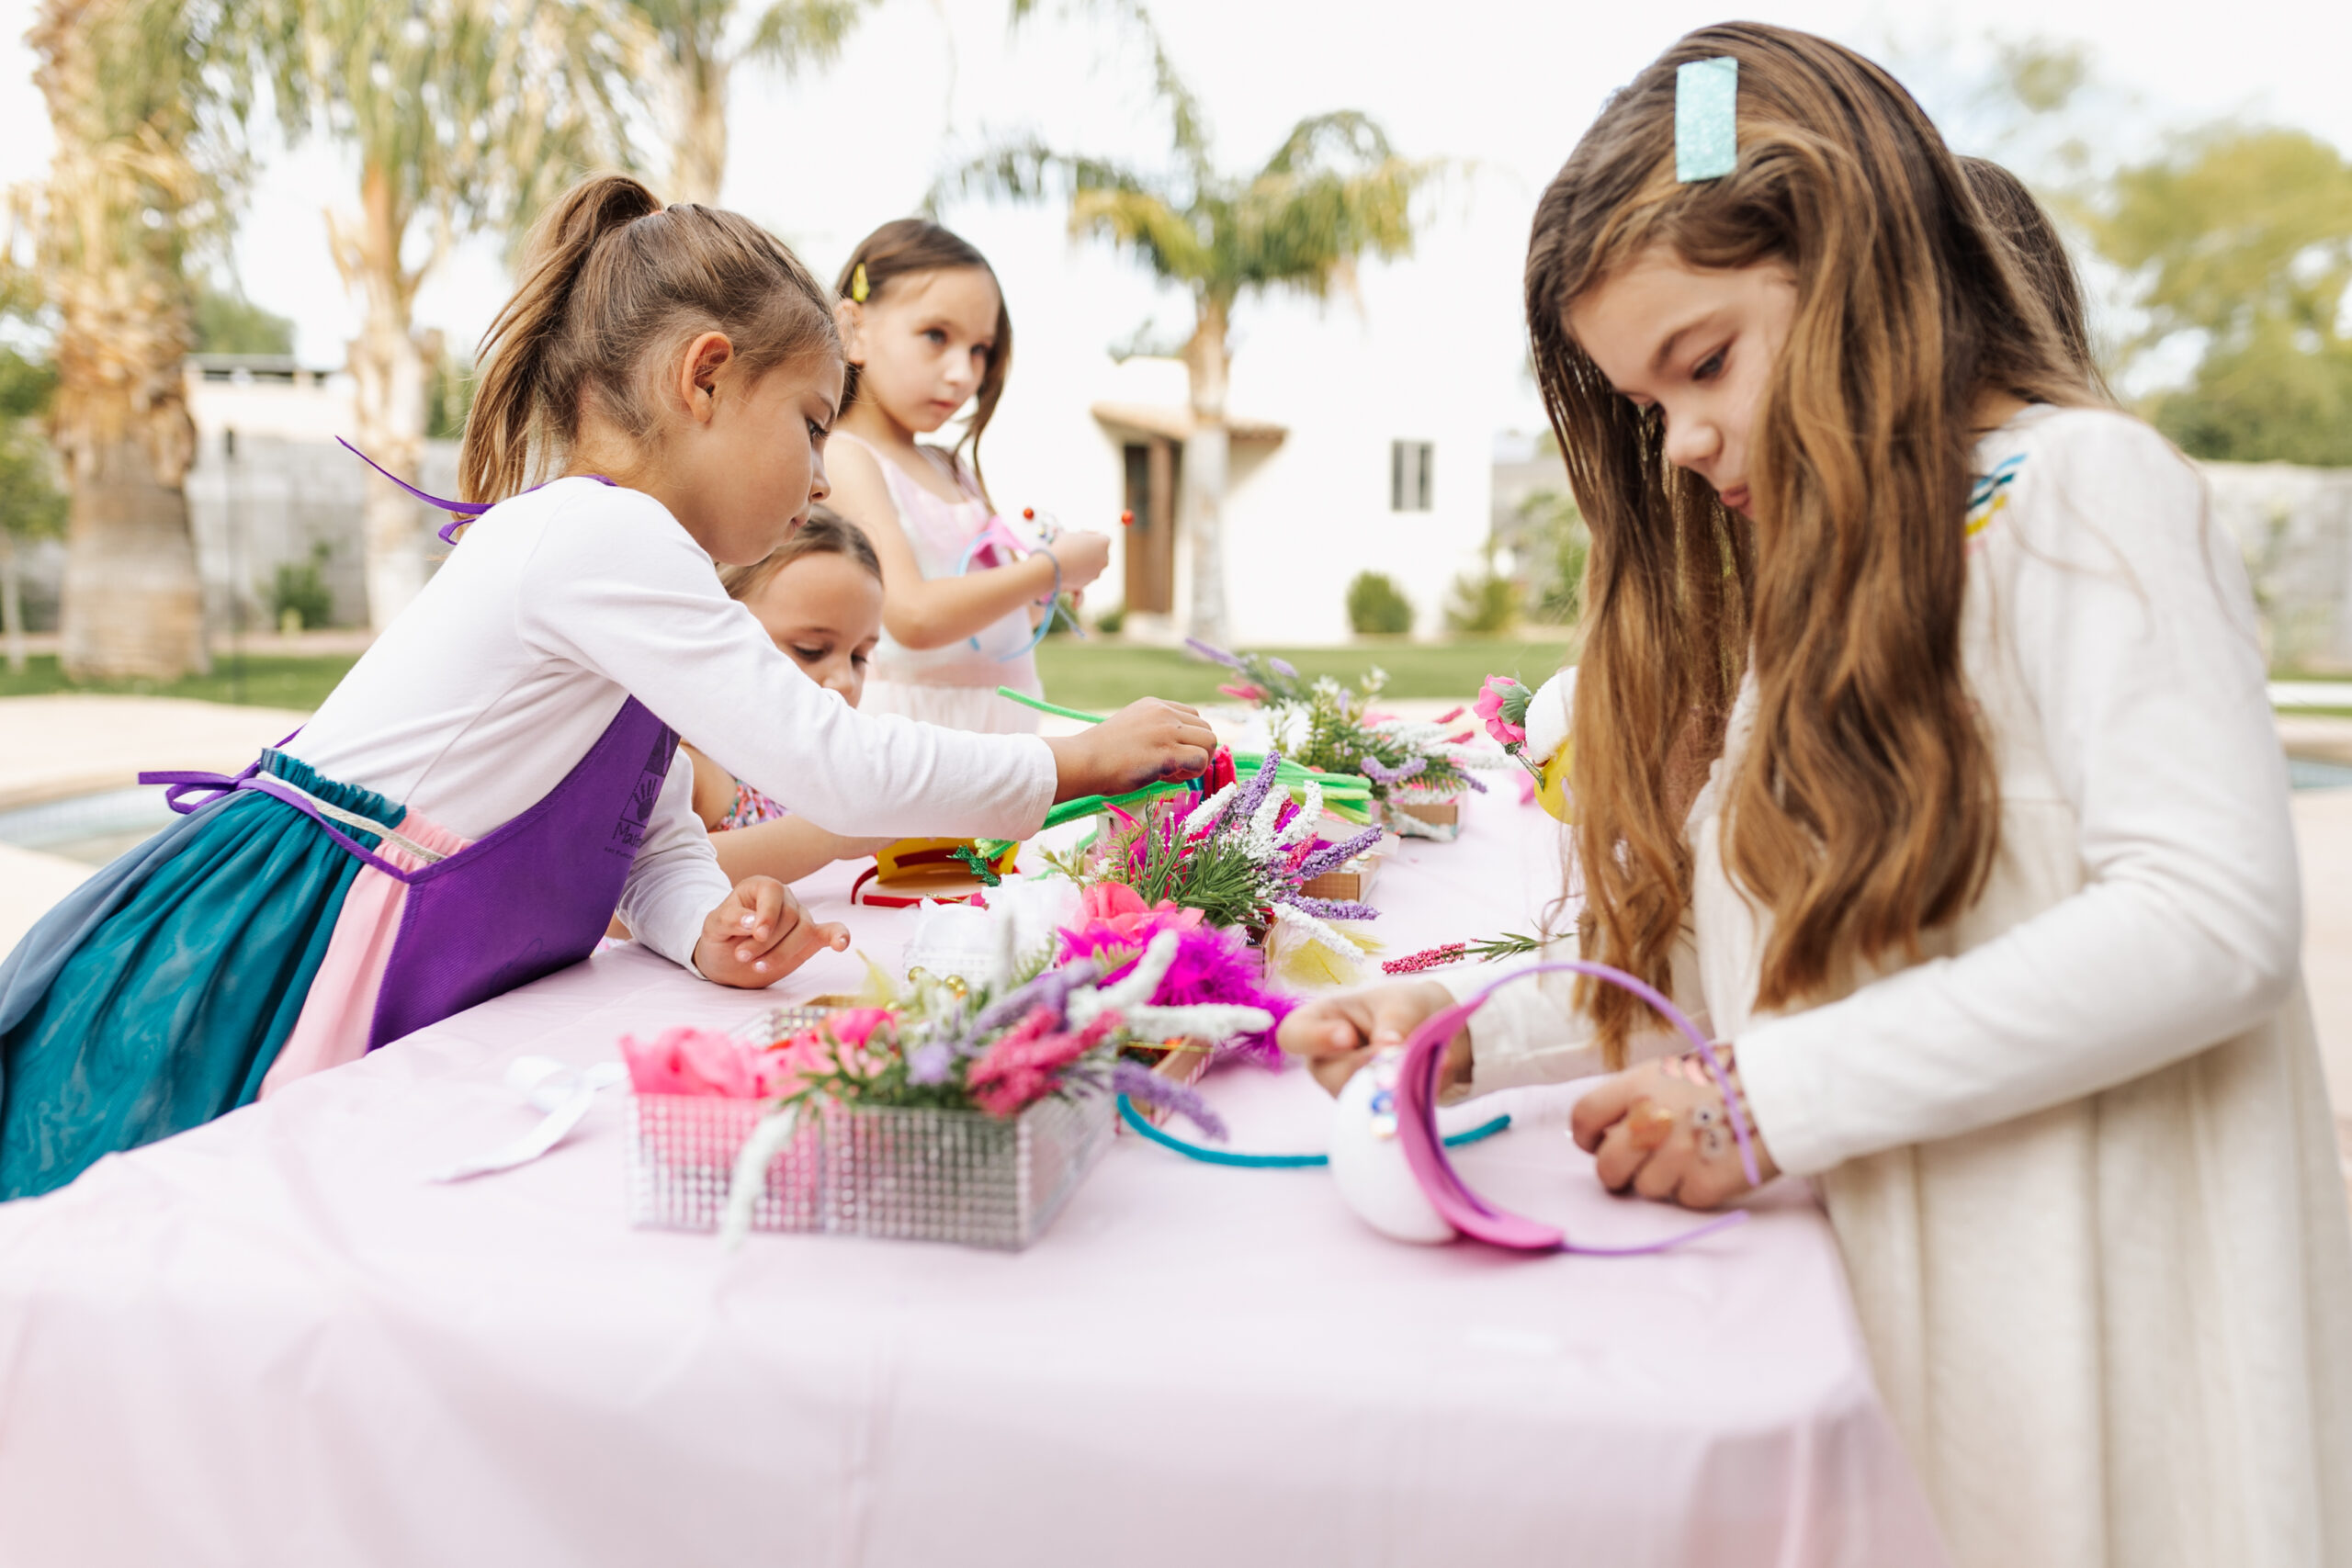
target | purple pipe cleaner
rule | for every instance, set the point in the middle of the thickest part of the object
(1330, 909)
(1139, 1083)
(1215, 654)
(1381, 773)
(1476, 782)
(1331, 857)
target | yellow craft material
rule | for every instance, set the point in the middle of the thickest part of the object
(912, 865)
(1552, 784)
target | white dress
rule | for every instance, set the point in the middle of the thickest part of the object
(955, 684)
(2079, 1159)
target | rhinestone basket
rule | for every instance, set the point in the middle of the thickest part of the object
(959, 1175)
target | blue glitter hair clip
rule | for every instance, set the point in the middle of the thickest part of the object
(1706, 119)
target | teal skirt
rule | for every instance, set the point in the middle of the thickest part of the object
(157, 995)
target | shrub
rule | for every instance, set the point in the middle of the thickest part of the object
(1484, 602)
(1378, 607)
(300, 590)
(1109, 622)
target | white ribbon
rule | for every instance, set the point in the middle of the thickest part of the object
(563, 1093)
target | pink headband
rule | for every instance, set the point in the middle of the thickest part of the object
(1464, 1209)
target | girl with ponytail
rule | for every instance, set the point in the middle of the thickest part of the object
(502, 769)
(1922, 750)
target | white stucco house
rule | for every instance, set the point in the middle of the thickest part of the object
(1349, 454)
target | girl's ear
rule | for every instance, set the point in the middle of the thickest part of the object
(849, 318)
(698, 371)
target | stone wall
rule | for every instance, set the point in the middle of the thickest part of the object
(2294, 526)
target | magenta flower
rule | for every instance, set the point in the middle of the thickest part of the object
(1244, 692)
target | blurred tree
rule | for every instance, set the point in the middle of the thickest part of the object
(145, 122)
(227, 323)
(465, 116)
(31, 506)
(1333, 192)
(697, 59)
(2244, 236)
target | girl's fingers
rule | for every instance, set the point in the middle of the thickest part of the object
(1601, 1108)
(1333, 1072)
(1663, 1173)
(1618, 1161)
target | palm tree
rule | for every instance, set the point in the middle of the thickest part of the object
(144, 153)
(1333, 192)
(692, 37)
(470, 113)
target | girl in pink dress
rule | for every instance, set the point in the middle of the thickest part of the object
(926, 332)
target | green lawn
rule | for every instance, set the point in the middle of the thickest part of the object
(1095, 675)
(278, 682)
(1098, 675)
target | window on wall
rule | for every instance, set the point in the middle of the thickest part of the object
(1409, 477)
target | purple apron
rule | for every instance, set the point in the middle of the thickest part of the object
(525, 901)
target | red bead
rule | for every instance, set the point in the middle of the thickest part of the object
(1029, 515)
(1126, 519)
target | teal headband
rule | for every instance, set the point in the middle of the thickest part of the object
(1706, 116)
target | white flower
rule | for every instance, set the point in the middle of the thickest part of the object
(1213, 1022)
(1310, 812)
(1211, 811)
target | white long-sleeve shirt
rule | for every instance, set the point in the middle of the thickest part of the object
(560, 605)
(2119, 610)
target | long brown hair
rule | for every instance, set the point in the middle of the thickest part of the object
(610, 277)
(902, 248)
(1864, 806)
(2024, 224)
(827, 533)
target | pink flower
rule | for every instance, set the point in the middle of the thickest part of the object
(1026, 1064)
(856, 1026)
(1116, 911)
(703, 1061)
(1498, 691)
(1244, 692)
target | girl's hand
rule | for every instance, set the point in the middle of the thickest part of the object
(1661, 1130)
(1334, 1034)
(1142, 743)
(1083, 556)
(761, 934)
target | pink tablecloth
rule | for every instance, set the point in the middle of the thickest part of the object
(271, 1341)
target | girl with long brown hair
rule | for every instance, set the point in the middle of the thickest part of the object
(501, 768)
(1922, 751)
(928, 336)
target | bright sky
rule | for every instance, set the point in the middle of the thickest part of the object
(1505, 93)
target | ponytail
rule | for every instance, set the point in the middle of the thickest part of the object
(609, 278)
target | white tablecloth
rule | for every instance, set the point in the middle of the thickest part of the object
(271, 1341)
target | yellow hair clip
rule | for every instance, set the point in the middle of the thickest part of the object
(858, 287)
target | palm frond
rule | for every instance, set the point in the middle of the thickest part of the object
(792, 34)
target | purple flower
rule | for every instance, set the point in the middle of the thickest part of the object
(1379, 771)
(1139, 1082)
(1282, 667)
(1050, 990)
(1331, 857)
(1330, 909)
(929, 1064)
(1215, 654)
(1253, 794)
(1474, 782)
